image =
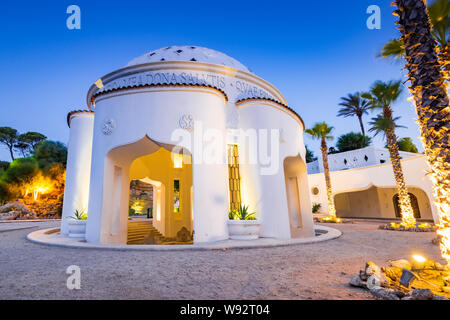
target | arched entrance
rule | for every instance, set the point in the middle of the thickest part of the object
(170, 176)
(379, 202)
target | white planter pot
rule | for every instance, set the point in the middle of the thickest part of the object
(77, 228)
(243, 229)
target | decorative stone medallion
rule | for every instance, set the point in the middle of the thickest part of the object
(186, 122)
(108, 126)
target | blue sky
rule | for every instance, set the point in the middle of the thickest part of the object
(313, 52)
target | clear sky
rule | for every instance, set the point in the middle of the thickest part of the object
(314, 52)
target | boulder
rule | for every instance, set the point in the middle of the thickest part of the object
(385, 294)
(357, 282)
(420, 294)
(11, 215)
(18, 208)
(401, 264)
(439, 297)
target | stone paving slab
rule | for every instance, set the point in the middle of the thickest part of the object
(326, 233)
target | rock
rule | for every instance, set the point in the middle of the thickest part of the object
(420, 294)
(357, 282)
(439, 297)
(11, 215)
(392, 273)
(385, 294)
(372, 268)
(362, 275)
(401, 264)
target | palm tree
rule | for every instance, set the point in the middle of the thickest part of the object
(432, 104)
(321, 131)
(383, 95)
(438, 13)
(354, 105)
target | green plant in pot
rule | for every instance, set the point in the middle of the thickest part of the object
(316, 207)
(79, 215)
(241, 214)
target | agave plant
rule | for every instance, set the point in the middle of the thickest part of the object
(241, 214)
(79, 215)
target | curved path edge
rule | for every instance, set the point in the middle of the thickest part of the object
(40, 237)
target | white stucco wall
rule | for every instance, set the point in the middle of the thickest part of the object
(79, 151)
(381, 175)
(355, 159)
(155, 113)
(263, 184)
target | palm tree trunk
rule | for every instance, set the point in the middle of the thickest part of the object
(432, 105)
(326, 171)
(361, 125)
(406, 209)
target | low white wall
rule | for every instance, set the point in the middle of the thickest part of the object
(414, 169)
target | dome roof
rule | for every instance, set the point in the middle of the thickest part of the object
(189, 53)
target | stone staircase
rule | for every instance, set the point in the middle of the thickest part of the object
(138, 231)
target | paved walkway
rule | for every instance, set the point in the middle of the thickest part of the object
(308, 271)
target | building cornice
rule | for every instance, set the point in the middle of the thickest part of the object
(254, 100)
(76, 112)
(178, 66)
(158, 85)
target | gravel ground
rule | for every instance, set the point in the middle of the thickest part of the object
(311, 271)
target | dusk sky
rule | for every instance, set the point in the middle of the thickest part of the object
(314, 52)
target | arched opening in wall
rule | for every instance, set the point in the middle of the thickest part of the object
(414, 204)
(296, 185)
(151, 200)
(379, 203)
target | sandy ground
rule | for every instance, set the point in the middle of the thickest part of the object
(311, 271)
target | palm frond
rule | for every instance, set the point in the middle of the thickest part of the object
(353, 105)
(380, 124)
(320, 131)
(384, 94)
(393, 49)
(439, 12)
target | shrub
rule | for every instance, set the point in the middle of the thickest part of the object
(47, 153)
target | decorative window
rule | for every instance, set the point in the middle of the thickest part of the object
(382, 161)
(176, 196)
(234, 177)
(177, 161)
(345, 161)
(366, 158)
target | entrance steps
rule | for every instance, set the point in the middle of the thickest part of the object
(139, 230)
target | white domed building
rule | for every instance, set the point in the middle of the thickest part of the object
(205, 132)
